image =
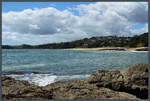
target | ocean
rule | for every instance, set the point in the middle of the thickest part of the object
(61, 65)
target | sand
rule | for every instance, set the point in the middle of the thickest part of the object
(113, 48)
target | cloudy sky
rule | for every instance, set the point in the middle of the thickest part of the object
(50, 22)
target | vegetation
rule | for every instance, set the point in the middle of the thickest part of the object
(103, 41)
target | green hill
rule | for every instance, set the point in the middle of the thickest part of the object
(103, 41)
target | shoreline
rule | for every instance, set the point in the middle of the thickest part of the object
(98, 48)
(104, 84)
(113, 48)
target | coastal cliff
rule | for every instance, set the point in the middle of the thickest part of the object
(128, 83)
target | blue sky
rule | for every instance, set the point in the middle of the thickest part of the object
(137, 26)
(20, 6)
(115, 20)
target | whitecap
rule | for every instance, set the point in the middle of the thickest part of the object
(45, 79)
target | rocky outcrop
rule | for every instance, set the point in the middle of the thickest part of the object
(12, 88)
(73, 89)
(81, 89)
(133, 80)
(129, 83)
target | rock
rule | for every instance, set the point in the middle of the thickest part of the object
(133, 80)
(12, 88)
(73, 89)
(128, 83)
(81, 89)
(136, 80)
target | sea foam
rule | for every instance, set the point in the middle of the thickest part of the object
(45, 79)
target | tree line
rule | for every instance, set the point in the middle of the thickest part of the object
(102, 41)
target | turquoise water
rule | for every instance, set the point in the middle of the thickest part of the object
(66, 64)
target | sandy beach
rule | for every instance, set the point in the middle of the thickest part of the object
(113, 48)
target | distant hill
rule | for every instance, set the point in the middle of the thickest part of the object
(103, 41)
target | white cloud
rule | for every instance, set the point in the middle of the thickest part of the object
(33, 26)
(96, 19)
(113, 18)
(37, 21)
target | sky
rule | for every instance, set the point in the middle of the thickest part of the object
(52, 22)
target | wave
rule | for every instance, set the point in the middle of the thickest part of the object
(45, 79)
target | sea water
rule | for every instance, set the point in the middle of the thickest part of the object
(60, 65)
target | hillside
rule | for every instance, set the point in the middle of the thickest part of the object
(103, 41)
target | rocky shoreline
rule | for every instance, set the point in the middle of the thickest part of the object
(128, 83)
